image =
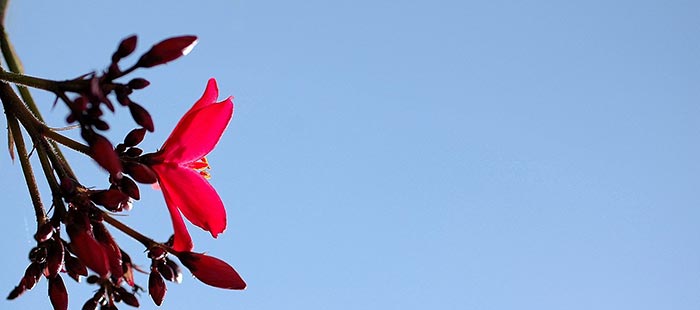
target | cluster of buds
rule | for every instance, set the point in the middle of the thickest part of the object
(81, 212)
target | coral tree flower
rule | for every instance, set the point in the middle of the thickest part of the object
(180, 166)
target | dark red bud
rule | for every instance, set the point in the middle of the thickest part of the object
(135, 137)
(140, 172)
(128, 298)
(130, 188)
(67, 186)
(44, 232)
(18, 290)
(102, 152)
(57, 293)
(100, 124)
(156, 253)
(75, 268)
(38, 255)
(138, 83)
(88, 250)
(114, 254)
(111, 199)
(134, 152)
(167, 50)
(156, 287)
(126, 47)
(91, 304)
(141, 116)
(122, 93)
(31, 276)
(212, 271)
(55, 258)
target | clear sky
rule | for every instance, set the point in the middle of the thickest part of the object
(409, 154)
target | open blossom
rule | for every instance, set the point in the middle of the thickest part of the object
(181, 167)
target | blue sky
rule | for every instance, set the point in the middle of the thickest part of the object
(411, 154)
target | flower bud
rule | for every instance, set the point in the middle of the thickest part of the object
(18, 290)
(140, 172)
(57, 293)
(31, 276)
(133, 152)
(75, 268)
(54, 260)
(130, 188)
(44, 232)
(126, 47)
(88, 250)
(141, 116)
(111, 199)
(91, 304)
(156, 287)
(212, 271)
(134, 137)
(102, 152)
(138, 83)
(167, 50)
(114, 254)
(127, 297)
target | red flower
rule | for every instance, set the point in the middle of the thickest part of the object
(181, 167)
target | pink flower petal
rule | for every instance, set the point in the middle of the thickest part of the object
(188, 191)
(182, 240)
(199, 130)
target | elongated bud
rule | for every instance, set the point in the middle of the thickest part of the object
(31, 276)
(141, 116)
(138, 83)
(156, 287)
(54, 260)
(57, 293)
(167, 51)
(127, 297)
(16, 292)
(126, 47)
(111, 199)
(89, 251)
(135, 137)
(102, 151)
(140, 172)
(114, 254)
(75, 268)
(130, 188)
(212, 271)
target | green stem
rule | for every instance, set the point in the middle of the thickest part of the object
(5, 95)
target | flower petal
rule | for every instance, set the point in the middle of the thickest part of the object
(200, 129)
(192, 194)
(182, 240)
